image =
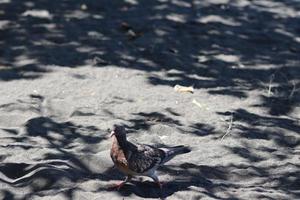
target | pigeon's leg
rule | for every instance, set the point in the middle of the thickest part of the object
(156, 180)
(119, 185)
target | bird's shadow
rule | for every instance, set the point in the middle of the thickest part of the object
(183, 181)
(203, 180)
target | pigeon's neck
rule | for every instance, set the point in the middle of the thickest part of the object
(122, 141)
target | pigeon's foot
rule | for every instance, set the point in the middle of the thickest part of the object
(117, 186)
(160, 184)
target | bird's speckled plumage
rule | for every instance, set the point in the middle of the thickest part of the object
(139, 159)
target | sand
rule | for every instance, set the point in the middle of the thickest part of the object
(69, 70)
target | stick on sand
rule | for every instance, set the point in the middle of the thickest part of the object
(229, 127)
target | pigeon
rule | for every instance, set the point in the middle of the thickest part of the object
(139, 159)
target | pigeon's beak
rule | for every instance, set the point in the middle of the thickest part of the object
(112, 133)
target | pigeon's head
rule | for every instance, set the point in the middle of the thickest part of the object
(118, 131)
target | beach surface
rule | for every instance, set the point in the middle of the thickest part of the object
(70, 70)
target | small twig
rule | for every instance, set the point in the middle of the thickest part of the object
(197, 103)
(293, 84)
(270, 84)
(293, 90)
(229, 127)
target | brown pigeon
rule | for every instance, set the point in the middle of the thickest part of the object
(139, 159)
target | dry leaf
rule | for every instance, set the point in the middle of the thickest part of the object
(125, 26)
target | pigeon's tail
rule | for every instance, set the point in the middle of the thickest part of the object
(171, 152)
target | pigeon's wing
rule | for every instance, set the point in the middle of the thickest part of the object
(144, 158)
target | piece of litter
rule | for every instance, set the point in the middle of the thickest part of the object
(38, 14)
(180, 88)
(83, 7)
(163, 137)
